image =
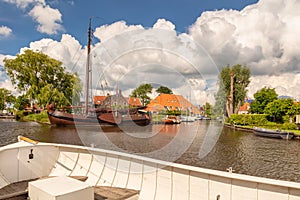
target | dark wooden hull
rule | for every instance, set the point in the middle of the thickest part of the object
(65, 119)
(273, 133)
(136, 119)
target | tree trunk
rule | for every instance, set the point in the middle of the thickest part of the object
(230, 98)
(291, 119)
(238, 107)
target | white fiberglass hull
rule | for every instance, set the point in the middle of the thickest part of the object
(153, 179)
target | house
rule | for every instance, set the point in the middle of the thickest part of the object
(98, 100)
(131, 101)
(244, 108)
(135, 102)
(172, 102)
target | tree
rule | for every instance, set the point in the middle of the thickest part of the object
(141, 92)
(220, 103)
(277, 109)
(22, 102)
(164, 90)
(261, 99)
(6, 97)
(234, 81)
(31, 71)
(208, 109)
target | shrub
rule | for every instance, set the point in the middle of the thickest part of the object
(289, 126)
(248, 120)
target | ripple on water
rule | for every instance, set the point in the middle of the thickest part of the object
(245, 152)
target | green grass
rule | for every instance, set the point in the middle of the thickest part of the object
(41, 117)
(296, 132)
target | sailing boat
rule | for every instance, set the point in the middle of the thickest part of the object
(62, 118)
(107, 114)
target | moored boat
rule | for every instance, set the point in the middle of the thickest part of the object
(66, 119)
(187, 118)
(263, 132)
(107, 113)
(171, 119)
(46, 167)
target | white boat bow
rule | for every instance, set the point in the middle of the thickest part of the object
(153, 179)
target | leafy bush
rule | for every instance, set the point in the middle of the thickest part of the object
(272, 125)
(289, 126)
(259, 120)
(248, 120)
(41, 117)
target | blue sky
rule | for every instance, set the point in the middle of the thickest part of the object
(75, 15)
(263, 35)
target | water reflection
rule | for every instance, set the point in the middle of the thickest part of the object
(243, 151)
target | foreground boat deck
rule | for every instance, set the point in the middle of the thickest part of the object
(144, 178)
(14, 190)
(18, 191)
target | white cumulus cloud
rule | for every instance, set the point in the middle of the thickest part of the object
(108, 31)
(5, 31)
(49, 19)
(68, 50)
(24, 3)
(164, 24)
(263, 36)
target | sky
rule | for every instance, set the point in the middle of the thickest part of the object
(179, 44)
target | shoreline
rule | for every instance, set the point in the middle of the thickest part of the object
(248, 129)
(238, 127)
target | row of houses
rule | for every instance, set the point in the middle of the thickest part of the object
(163, 102)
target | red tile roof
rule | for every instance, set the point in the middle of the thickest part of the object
(134, 101)
(99, 99)
(131, 100)
(172, 102)
(245, 107)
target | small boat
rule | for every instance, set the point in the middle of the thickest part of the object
(48, 171)
(171, 119)
(187, 118)
(263, 132)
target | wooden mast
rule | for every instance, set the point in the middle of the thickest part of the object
(87, 70)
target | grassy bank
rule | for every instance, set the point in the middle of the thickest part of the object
(250, 128)
(41, 117)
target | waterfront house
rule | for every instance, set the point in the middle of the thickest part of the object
(172, 102)
(131, 101)
(98, 100)
(244, 109)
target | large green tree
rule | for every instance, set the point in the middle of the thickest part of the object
(142, 92)
(279, 108)
(164, 90)
(261, 99)
(234, 81)
(6, 97)
(37, 76)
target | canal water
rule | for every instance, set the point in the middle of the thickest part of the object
(204, 143)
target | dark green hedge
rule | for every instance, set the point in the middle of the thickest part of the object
(248, 120)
